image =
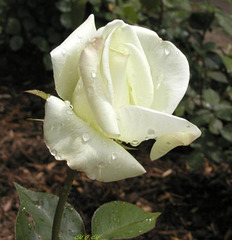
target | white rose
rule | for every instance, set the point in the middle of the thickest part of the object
(119, 82)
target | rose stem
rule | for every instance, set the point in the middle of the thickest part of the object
(61, 203)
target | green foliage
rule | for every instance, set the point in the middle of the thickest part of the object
(121, 220)
(36, 213)
(112, 220)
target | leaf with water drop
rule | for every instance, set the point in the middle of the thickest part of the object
(121, 220)
(23, 231)
(40, 207)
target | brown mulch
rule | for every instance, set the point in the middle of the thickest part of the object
(194, 204)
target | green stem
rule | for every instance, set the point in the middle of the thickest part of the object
(61, 203)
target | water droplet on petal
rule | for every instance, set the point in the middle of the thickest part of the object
(151, 132)
(93, 74)
(188, 126)
(114, 156)
(168, 143)
(167, 51)
(101, 165)
(93, 41)
(63, 51)
(58, 157)
(85, 137)
(68, 104)
(159, 81)
(53, 152)
(135, 143)
(80, 85)
(69, 112)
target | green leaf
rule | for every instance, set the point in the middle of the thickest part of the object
(213, 61)
(41, 209)
(13, 26)
(229, 92)
(24, 229)
(63, 6)
(216, 155)
(16, 43)
(227, 132)
(121, 220)
(215, 126)
(224, 20)
(218, 76)
(211, 96)
(228, 63)
(203, 117)
(41, 43)
(195, 160)
(65, 20)
(201, 20)
(223, 111)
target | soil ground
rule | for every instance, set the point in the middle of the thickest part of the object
(194, 204)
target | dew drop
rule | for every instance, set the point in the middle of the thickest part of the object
(114, 156)
(53, 152)
(29, 226)
(151, 132)
(135, 143)
(168, 143)
(69, 112)
(63, 51)
(93, 41)
(93, 74)
(101, 165)
(148, 220)
(159, 81)
(85, 137)
(38, 206)
(58, 157)
(68, 104)
(188, 126)
(167, 51)
(80, 85)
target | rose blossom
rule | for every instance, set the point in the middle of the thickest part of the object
(117, 83)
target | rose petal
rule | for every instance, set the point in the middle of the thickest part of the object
(169, 69)
(118, 65)
(96, 89)
(138, 124)
(81, 106)
(139, 78)
(65, 58)
(71, 139)
(166, 143)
